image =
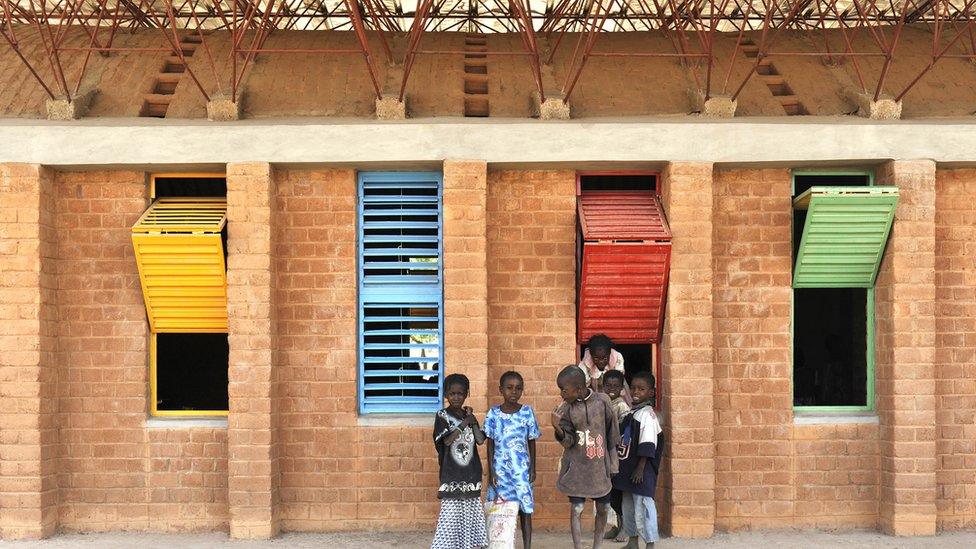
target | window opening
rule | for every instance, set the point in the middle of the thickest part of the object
(188, 186)
(190, 374)
(833, 328)
(180, 245)
(830, 362)
(611, 182)
(401, 335)
(639, 357)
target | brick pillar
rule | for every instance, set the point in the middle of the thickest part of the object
(28, 340)
(252, 451)
(466, 276)
(687, 350)
(905, 353)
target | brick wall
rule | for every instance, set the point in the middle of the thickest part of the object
(335, 473)
(187, 480)
(28, 345)
(687, 357)
(835, 471)
(531, 303)
(905, 351)
(252, 434)
(315, 259)
(466, 276)
(753, 367)
(302, 458)
(955, 358)
(114, 474)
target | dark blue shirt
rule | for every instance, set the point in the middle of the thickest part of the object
(640, 436)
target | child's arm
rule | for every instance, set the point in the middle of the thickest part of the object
(565, 439)
(443, 434)
(479, 435)
(638, 476)
(648, 439)
(531, 460)
(491, 462)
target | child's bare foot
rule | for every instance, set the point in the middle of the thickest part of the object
(632, 543)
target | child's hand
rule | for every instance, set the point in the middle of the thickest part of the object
(492, 481)
(557, 415)
(638, 476)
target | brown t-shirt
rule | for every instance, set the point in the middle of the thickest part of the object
(588, 465)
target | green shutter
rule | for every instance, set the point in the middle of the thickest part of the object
(844, 235)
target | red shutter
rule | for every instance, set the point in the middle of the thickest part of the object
(625, 263)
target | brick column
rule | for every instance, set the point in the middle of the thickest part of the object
(905, 353)
(687, 350)
(252, 453)
(466, 276)
(28, 340)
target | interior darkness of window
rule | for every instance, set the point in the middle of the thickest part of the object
(637, 358)
(801, 183)
(618, 182)
(168, 187)
(830, 346)
(191, 372)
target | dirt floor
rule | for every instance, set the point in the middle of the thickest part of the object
(763, 540)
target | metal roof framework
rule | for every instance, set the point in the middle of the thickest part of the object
(690, 25)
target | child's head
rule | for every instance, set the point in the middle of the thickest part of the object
(642, 387)
(456, 387)
(599, 347)
(511, 385)
(613, 383)
(572, 383)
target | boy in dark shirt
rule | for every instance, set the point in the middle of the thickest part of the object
(586, 428)
(640, 450)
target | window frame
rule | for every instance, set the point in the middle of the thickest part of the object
(154, 411)
(656, 368)
(405, 176)
(869, 400)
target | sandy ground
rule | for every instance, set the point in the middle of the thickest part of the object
(418, 540)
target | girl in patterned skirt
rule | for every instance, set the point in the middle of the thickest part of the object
(512, 429)
(461, 524)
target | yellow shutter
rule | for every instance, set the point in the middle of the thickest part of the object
(180, 256)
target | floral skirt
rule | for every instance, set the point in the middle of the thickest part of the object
(461, 525)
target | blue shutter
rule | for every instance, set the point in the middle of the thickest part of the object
(401, 295)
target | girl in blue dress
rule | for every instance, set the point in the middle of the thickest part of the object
(512, 429)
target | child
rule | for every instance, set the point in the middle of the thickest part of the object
(613, 384)
(512, 430)
(640, 459)
(461, 524)
(587, 430)
(599, 358)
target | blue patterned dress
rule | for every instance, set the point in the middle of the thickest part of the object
(511, 434)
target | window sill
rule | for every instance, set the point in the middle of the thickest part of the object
(186, 422)
(395, 420)
(834, 418)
